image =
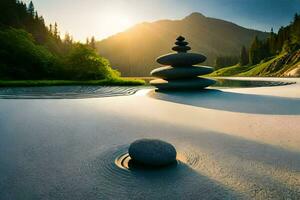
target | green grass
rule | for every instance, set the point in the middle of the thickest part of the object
(231, 71)
(258, 70)
(105, 82)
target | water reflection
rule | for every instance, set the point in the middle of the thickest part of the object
(233, 83)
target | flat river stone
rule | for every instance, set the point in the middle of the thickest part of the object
(153, 153)
(170, 73)
(181, 59)
(183, 84)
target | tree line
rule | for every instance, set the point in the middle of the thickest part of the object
(225, 61)
(285, 41)
(31, 50)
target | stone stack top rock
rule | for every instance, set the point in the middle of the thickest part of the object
(181, 45)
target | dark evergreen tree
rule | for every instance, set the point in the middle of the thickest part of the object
(280, 39)
(68, 39)
(272, 43)
(225, 61)
(31, 8)
(50, 29)
(244, 58)
(93, 43)
(295, 35)
(55, 31)
(255, 51)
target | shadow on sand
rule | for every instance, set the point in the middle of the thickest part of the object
(233, 102)
(271, 168)
(253, 151)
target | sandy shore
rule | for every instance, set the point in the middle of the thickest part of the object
(235, 144)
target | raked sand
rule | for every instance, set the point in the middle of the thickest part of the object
(239, 143)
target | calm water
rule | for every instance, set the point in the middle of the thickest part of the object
(73, 92)
(230, 83)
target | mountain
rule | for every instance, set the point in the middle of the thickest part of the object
(133, 52)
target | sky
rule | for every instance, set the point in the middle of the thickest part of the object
(103, 18)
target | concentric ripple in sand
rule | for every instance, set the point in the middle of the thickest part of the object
(115, 180)
(65, 92)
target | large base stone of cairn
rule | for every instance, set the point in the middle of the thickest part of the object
(181, 72)
(188, 84)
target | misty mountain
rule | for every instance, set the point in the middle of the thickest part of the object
(133, 52)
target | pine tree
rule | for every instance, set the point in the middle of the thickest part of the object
(50, 29)
(272, 43)
(42, 21)
(280, 39)
(93, 43)
(31, 8)
(68, 39)
(225, 61)
(36, 15)
(55, 31)
(87, 41)
(244, 59)
(295, 35)
(255, 51)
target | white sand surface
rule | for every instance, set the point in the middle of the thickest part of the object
(239, 143)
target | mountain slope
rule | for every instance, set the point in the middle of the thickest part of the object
(133, 52)
(285, 64)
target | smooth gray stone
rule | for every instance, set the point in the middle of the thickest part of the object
(181, 59)
(182, 43)
(151, 152)
(183, 49)
(183, 84)
(170, 73)
(180, 38)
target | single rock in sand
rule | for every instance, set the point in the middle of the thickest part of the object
(152, 153)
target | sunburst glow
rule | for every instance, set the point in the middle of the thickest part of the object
(119, 22)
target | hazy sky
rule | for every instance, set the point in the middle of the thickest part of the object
(102, 18)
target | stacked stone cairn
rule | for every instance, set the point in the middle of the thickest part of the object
(180, 71)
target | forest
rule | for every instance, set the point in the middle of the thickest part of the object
(30, 50)
(287, 40)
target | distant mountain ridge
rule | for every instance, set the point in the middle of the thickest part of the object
(133, 51)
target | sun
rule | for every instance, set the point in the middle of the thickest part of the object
(120, 21)
(125, 22)
(114, 22)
